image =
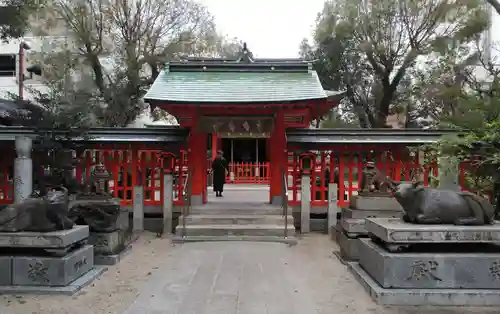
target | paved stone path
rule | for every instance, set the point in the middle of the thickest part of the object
(260, 278)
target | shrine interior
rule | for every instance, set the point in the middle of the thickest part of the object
(245, 150)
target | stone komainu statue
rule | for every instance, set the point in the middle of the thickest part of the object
(423, 205)
(95, 207)
(373, 181)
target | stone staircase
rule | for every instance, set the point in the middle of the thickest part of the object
(236, 221)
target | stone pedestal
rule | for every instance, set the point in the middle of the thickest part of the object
(52, 271)
(46, 260)
(409, 264)
(351, 226)
(107, 243)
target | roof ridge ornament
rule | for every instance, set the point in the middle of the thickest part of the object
(245, 55)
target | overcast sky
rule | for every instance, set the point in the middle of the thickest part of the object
(272, 28)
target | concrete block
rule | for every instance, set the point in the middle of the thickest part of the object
(348, 213)
(429, 297)
(55, 239)
(349, 247)
(52, 271)
(358, 202)
(107, 243)
(5, 270)
(394, 230)
(430, 270)
(353, 226)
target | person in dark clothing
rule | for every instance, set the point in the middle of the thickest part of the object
(219, 170)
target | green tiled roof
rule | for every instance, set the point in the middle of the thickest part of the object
(235, 87)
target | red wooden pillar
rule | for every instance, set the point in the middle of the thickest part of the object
(197, 161)
(278, 158)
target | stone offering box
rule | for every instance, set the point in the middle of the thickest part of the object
(46, 262)
(351, 226)
(410, 264)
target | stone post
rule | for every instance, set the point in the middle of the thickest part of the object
(168, 204)
(138, 209)
(23, 169)
(333, 209)
(448, 174)
(305, 204)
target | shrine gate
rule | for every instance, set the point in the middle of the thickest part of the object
(258, 112)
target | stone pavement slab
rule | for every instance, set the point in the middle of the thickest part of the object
(262, 278)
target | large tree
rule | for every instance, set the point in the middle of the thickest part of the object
(15, 17)
(117, 49)
(371, 49)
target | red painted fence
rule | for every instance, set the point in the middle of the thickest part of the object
(400, 166)
(131, 167)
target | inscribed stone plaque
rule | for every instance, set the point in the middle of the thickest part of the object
(52, 271)
(430, 270)
(394, 230)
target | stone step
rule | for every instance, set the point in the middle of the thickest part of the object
(238, 211)
(234, 230)
(238, 219)
(290, 239)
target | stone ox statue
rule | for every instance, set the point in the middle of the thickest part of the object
(39, 214)
(423, 205)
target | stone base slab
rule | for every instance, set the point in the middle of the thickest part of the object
(108, 243)
(353, 226)
(52, 271)
(45, 240)
(348, 246)
(358, 202)
(429, 270)
(414, 297)
(348, 213)
(394, 230)
(291, 240)
(70, 289)
(110, 260)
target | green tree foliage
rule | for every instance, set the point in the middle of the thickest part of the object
(117, 49)
(373, 49)
(15, 16)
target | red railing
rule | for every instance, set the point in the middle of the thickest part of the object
(134, 167)
(131, 167)
(249, 172)
(349, 164)
(7, 177)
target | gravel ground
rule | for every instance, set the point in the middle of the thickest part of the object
(111, 293)
(327, 285)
